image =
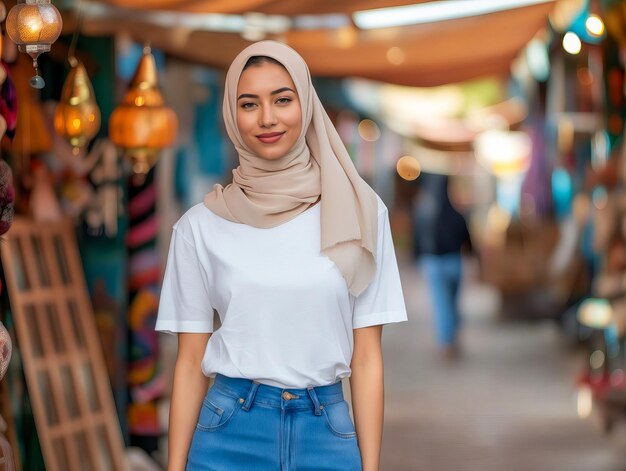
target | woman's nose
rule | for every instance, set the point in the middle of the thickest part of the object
(268, 117)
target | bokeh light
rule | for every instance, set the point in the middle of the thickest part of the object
(595, 313)
(595, 25)
(600, 197)
(596, 360)
(585, 77)
(571, 43)
(396, 55)
(345, 37)
(584, 402)
(408, 167)
(369, 130)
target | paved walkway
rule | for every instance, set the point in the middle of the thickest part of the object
(508, 405)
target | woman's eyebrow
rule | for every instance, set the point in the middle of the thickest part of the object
(275, 92)
(281, 90)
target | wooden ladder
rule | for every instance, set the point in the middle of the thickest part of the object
(60, 348)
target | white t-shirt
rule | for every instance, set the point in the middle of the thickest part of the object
(286, 312)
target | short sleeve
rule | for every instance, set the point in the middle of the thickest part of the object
(383, 301)
(184, 305)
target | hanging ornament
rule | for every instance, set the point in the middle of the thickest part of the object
(34, 25)
(142, 125)
(77, 116)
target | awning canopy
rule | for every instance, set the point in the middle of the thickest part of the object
(269, 7)
(419, 55)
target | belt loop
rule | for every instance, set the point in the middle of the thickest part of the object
(246, 405)
(314, 398)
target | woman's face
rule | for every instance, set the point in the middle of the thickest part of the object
(269, 117)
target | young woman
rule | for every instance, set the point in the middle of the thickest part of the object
(296, 257)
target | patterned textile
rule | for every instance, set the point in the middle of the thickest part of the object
(145, 381)
(8, 103)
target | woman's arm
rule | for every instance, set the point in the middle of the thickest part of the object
(368, 397)
(188, 391)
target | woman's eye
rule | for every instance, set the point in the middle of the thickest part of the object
(247, 105)
(283, 100)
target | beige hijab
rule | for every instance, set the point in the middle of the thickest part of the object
(267, 193)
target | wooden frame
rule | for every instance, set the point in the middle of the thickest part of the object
(62, 355)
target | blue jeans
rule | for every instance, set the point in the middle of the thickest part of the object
(244, 425)
(443, 276)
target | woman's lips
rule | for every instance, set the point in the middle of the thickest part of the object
(270, 137)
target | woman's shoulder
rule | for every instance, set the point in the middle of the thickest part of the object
(197, 219)
(197, 213)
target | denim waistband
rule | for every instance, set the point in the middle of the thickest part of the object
(252, 392)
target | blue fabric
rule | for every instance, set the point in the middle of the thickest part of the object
(244, 425)
(443, 277)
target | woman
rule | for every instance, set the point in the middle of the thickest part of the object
(296, 257)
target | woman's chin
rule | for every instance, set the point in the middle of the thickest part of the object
(273, 154)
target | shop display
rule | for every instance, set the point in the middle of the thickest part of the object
(60, 349)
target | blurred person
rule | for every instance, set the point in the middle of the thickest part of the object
(439, 235)
(296, 257)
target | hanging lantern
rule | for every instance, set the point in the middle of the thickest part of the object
(34, 25)
(77, 117)
(142, 124)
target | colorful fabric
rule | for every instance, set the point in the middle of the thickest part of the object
(8, 103)
(145, 382)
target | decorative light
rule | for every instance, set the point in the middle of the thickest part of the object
(584, 401)
(77, 116)
(503, 153)
(369, 130)
(142, 124)
(34, 25)
(595, 313)
(571, 43)
(408, 168)
(595, 25)
(345, 37)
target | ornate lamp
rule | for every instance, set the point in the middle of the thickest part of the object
(142, 124)
(77, 116)
(34, 25)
